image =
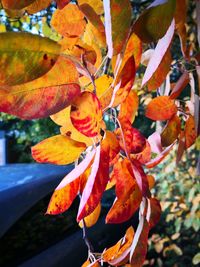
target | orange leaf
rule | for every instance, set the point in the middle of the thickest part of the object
(171, 131)
(37, 6)
(44, 96)
(124, 82)
(122, 211)
(113, 143)
(144, 156)
(155, 212)
(89, 264)
(95, 19)
(96, 183)
(139, 245)
(10, 4)
(161, 108)
(62, 198)
(62, 118)
(190, 132)
(91, 219)
(125, 182)
(97, 5)
(118, 254)
(161, 72)
(151, 181)
(103, 89)
(129, 107)
(69, 21)
(58, 149)
(86, 114)
(180, 85)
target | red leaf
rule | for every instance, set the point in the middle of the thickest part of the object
(125, 181)
(140, 177)
(144, 156)
(62, 3)
(139, 245)
(161, 108)
(62, 198)
(96, 182)
(155, 212)
(86, 114)
(122, 211)
(134, 140)
(180, 85)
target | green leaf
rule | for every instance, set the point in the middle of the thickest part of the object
(25, 57)
(155, 20)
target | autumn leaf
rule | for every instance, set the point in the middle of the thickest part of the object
(10, 4)
(139, 244)
(180, 85)
(96, 182)
(159, 64)
(122, 211)
(113, 143)
(144, 156)
(86, 114)
(161, 108)
(91, 219)
(37, 6)
(124, 180)
(69, 21)
(171, 131)
(134, 141)
(155, 212)
(62, 118)
(148, 25)
(58, 149)
(117, 23)
(190, 132)
(117, 255)
(160, 157)
(62, 199)
(80, 169)
(123, 83)
(97, 5)
(44, 96)
(62, 3)
(95, 19)
(25, 57)
(129, 107)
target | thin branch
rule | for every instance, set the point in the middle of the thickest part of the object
(85, 238)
